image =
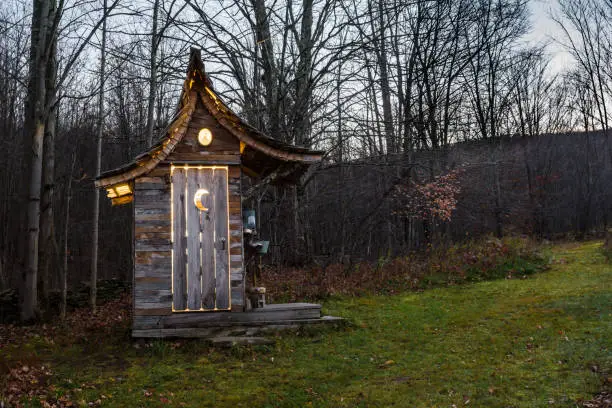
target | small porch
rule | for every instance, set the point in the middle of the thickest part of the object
(242, 325)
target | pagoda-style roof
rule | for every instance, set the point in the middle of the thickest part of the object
(260, 155)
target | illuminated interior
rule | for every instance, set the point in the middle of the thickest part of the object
(119, 190)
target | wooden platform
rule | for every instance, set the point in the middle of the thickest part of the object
(214, 324)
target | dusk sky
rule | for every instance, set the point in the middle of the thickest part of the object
(545, 30)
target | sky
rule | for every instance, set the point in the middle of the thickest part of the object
(545, 30)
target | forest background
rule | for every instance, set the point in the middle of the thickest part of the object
(441, 120)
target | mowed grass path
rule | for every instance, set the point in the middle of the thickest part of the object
(537, 342)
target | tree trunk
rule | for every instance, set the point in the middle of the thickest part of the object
(302, 78)
(379, 41)
(36, 118)
(46, 253)
(64, 277)
(152, 73)
(96, 210)
(270, 74)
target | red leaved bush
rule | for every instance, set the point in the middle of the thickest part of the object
(434, 200)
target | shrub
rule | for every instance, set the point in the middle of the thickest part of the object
(473, 261)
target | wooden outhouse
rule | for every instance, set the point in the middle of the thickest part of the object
(189, 270)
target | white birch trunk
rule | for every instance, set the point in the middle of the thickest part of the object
(36, 113)
(152, 76)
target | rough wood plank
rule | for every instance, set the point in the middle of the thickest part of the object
(222, 239)
(147, 213)
(194, 288)
(234, 171)
(153, 220)
(179, 278)
(157, 270)
(205, 156)
(149, 179)
(145, 322)
(162, 233)
(237, 297)
(287, 311)
(162, 311)
(165, 284)
(152, 257)
(154, 202)
(153, 229)
(208, 249)
(149, 279)
(150, 186)
(150, 330)
(155, 244)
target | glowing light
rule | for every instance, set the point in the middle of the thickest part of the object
(205, 137)
(123, 189)
(197, 199)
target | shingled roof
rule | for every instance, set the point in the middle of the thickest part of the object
(261, 155)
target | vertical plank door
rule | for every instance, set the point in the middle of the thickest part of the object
(200, 266)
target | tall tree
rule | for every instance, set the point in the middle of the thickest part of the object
(93, 284)
(43, 35)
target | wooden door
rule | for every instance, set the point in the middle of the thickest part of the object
(200, 239)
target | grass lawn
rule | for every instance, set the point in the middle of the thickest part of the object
(537, 342)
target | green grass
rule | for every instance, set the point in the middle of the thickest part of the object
(537, 342)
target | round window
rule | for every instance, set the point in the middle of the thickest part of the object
(205, 137)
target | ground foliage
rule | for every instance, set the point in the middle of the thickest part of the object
(22, 371)
(484, 259)
(536, 342)
(108, 289)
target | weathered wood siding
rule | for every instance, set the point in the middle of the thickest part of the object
(237, 275)
(153, 245)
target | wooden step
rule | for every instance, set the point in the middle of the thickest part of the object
(269, 313)
(235, 329)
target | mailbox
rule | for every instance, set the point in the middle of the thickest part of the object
(262, 247)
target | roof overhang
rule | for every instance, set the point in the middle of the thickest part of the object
(261, 156)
